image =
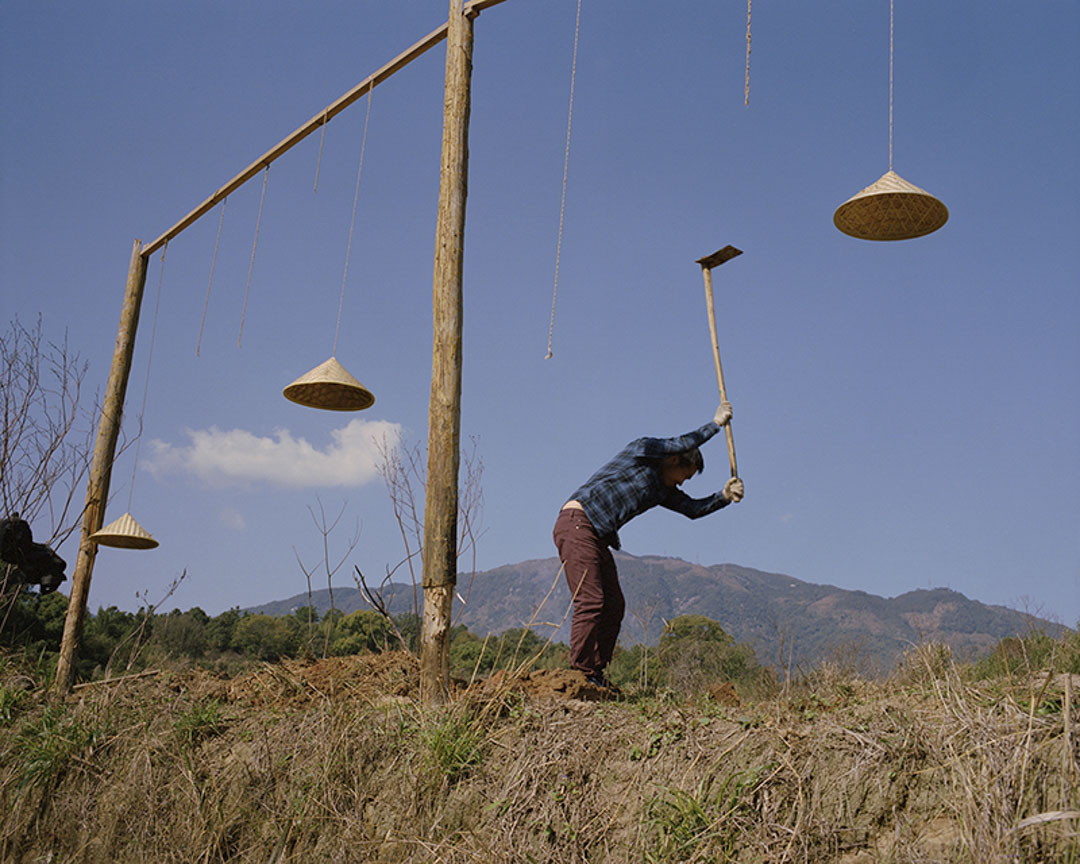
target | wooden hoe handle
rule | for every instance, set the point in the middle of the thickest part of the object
(707, 263)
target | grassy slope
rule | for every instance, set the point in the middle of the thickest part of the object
(336, 761)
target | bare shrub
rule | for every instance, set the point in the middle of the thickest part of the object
(402, 467)
(329, 565)
(46, 444)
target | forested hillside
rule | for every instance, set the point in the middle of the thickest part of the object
(789, 623)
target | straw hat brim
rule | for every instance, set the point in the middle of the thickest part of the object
(890, 209)
(124, 533)
(329, 395)
(329, 386)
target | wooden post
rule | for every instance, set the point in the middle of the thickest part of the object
(444, 408)
(97, 490)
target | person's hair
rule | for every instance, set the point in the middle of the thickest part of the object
(691, 458)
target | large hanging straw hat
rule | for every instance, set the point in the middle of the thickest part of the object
(124, 533)
(331, 387)
(890, 209)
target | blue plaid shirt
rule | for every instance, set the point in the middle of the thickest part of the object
(633, 482)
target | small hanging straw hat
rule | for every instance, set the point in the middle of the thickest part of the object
(330, 387)
(124, 533)
(890, 209)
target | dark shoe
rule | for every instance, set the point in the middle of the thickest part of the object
(599, 679)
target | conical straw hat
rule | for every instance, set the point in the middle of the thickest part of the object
(890, 209)
(124, 533)
(330, 387)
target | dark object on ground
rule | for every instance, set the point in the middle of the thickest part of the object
(599, 679)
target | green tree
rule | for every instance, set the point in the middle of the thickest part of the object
(696, 651)
(408, 626)
(266, 637)
(512, 648)
(33, 622)
(182, 634)
(627, 666)
(360, 631)
(221, 629)
(307, 622)
(465, 654)
(1034, 652)
(520, 645)
(108, 639)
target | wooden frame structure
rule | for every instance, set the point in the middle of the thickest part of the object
(444, 411)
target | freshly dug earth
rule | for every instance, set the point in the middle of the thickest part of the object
(336, 760)
(544, 685)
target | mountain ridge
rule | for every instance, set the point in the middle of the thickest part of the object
(789, 622)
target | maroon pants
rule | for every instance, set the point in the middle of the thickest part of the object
(594, 585)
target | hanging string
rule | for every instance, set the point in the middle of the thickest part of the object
(566, 166)
(746, 96)
(890, 80)
(322, 138)
(213, 263)
(254, 245)
(352, 222)
(146, 382)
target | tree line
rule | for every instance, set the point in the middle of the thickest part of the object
(693, 651)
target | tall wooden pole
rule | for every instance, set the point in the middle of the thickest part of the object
(444, 409)
(97, 490)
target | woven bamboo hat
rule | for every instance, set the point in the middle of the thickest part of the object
(124, 533)
(890, 209)
(330, 387)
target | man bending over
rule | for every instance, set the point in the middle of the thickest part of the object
(646, 473)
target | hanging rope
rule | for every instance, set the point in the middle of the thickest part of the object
(746, 95)
(566, 166)
(352, 222)
(213, 263)
(254, 245)
(322, 138)
(890, 80)
(146, 382)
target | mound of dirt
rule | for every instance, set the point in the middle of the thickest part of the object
(293, 683)
(394, 676)
(377, 678)
(547, 685)
(724, 694)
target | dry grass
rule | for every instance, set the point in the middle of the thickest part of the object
(337, 761)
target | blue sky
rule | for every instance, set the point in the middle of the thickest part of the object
(906, 414)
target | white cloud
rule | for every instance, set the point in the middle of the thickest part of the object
(233, 519)
(222, 457)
